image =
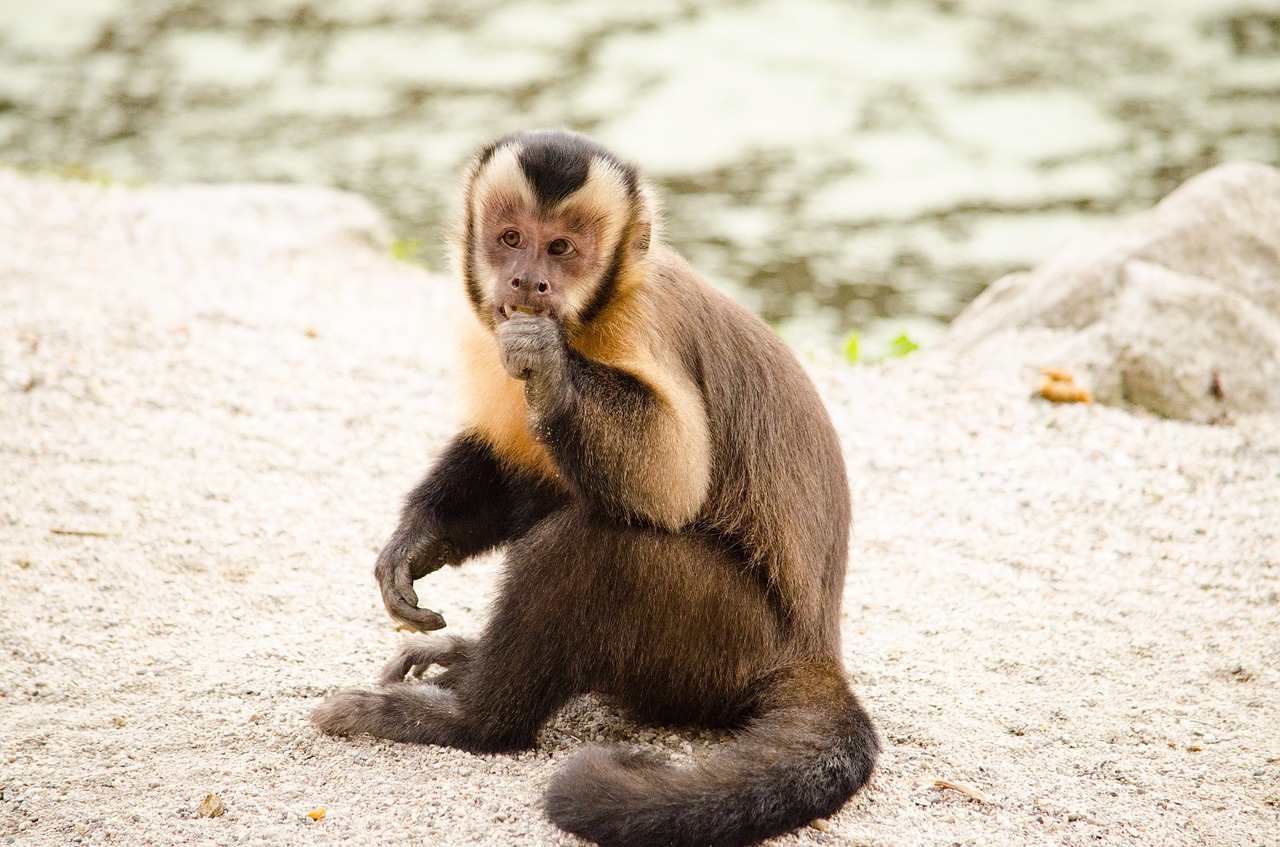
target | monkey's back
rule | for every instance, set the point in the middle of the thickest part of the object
(778, 481)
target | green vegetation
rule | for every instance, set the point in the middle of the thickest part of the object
(895, 349)
(901, 346)
(407, 250)
(76, 172)
(852, 350)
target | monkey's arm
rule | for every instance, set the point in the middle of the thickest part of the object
(639, 451)
(466, 505)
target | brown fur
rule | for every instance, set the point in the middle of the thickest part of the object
(674, 504)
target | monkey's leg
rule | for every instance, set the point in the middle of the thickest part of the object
(678, 627)
(496, 705)
(674, 627)
(512, 678)
(419, 653)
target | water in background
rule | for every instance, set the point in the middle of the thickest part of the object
(837, 165)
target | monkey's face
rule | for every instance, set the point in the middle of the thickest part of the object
(540, 265)
(552, 222)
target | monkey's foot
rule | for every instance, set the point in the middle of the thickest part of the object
(345, 713)
(419, 653)
(420, 713)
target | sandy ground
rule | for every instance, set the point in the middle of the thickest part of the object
(212, 402)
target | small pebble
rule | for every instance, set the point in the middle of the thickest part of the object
(211, 807)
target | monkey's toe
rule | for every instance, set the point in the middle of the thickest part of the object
(420, 652)
(412, 659)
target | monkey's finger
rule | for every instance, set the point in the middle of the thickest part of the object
(403, 584)
(404, 609)
(402, 603)
(423, 620)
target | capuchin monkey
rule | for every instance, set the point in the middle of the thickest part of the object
(675, 511)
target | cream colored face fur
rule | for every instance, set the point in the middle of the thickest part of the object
(514, 237)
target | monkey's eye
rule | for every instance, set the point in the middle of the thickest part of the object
(560, 247)
(511, 238)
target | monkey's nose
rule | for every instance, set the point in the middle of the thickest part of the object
(528, 283)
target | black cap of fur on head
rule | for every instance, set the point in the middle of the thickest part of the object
(557, 162)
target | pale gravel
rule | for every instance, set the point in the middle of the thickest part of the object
(1073, 609)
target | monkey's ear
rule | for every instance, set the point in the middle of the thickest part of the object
(643, 235)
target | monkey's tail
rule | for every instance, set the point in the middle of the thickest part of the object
(810, 747)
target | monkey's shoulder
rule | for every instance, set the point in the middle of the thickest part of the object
(720, 337)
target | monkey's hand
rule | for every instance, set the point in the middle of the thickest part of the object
(404, 559)
(533, 349)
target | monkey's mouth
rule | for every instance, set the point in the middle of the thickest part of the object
(507, 311)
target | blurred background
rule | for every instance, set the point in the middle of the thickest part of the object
(859, 167)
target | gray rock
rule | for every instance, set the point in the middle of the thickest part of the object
(1177, 311)
(275, 219)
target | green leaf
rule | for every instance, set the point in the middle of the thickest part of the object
(406, 250)
(851, 351)
(901, 346)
